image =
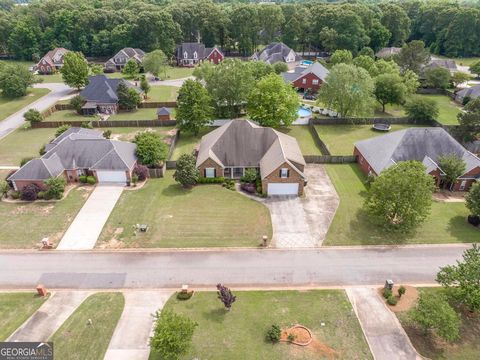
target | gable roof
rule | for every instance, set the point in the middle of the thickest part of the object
(49, 56)
(163, 111)
(129, 53)
(298, 72)
(191, 47)
(103, 90)
(448, 64)
(244, 143)
(472, 92)
(414, 144)
(387, 52)
(275, 52)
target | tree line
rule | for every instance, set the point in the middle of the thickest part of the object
(100, 28)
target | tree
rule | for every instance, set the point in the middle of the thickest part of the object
(341, 56)
(463, 280)
(55, 188)
(421, 109)
(413, 56)
(155, 62)
(61, 129)
(33, 116)
(128, 97)
(389, 89)
(401, 196)
(453, 167)
(272, 102)
(96, 69)
(434, 313)
(348, 90)
(194, 109)
(472, 199)
(367, 51)
(141, 171)
(144, 85)
(151, 150)
(77, 103)
(475, 68)
(15, 80)
(437, 78)
(186, 172)
(75, 70)
(367, 63)
(4, 187)
(411, 81)
(459, 78)
(226, 296)
(469, 129)
(172, 334)
(131, 69)
(280, 67)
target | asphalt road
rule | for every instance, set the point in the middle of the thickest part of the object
(322, 267)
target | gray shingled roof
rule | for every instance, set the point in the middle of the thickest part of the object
(190, 48)
(275, 52)
(130, 53)
(413, 144)
(316, 68)
(163, 111)
(244, 143)
(448, 64)
(472, 92)
(103, 90)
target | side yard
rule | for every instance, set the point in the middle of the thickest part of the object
(448, 109)
(10, 106)
(447, 222)
(304, 138)
(205, 216)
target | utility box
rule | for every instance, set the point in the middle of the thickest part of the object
(389, 284)
(41, 290)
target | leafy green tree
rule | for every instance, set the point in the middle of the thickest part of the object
(172, 334)
(401, 196)
(186, 172)
(194, 109)
(128, 97)
(413, 56)
(463, 280)
(23, 39)
(438, 78)
(144, 85)
(396, 20)
(131, 69)
(472, 199)
(61, 129)
(348, 90)
(459, 78)
(475, 68)
(33, 116)
(421, 109)
(75, 70)
(55, 188)
(77, 102)
(260, 69)
(151, 150)
(411, 81)
(367, 63)
(389, 89)
(379, 35)
(4, 187)
(15, 80)
(155, 62)
(367, 51)
(272, 102)
(280, 67)
(469, 129)
(341, 56)
(453, 166)
(434, 313)
(387, 67)
(96, 69)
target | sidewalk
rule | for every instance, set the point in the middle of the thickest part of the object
(130, 341)
(384, 334)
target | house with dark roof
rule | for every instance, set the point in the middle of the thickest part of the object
(470, 93)
(241, 144)
(191, 54)
(388, 52)
(426, 145)
(101, 95)
(306, 78)
(51, 62)
(448, 64)
(118, 61)
(277, 52)
(79, 152)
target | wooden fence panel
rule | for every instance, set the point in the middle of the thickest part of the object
(329, 159)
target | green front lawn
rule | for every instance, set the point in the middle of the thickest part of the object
(53, 78)
(24, 225)
(240, 333)
(340, 138)
(176, 72)
(447, 222)
(10, 106)
(76, 339)
(15, 309)
(187, 142)
(23, 143)
(391, 110)
(70, 115)
(205, 216)
(429, 346)
(162, 93)
(448, 109)
(304, 138)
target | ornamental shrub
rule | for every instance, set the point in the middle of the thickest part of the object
(387, 293)
(392, 300)
(274, 333)
(82, 179)
(91, 180)
(55, 188)
(401, 291)
(30, 192)
(184, 295)
(250, 176)
(41, 195)
(61, 129)
(25, 160)
(141, 171)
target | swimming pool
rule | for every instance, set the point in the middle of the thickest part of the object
(304, 112)
(307, 62)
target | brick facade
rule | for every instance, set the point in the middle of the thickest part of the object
(363, 163)
(215, 56)
(209, 163)
(306, 83)
(293, 177)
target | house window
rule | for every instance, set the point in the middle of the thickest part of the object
(463, 184)
(237, 172)
(195, 55)
(315, 82)
(304, 81)
(185, 55)
(210, 172)
(227, 172)
(284, 173)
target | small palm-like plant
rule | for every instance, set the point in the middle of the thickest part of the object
(226, 296)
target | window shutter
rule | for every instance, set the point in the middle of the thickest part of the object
(288, 173)
(205, 172)
(280, 173)
(214, 172)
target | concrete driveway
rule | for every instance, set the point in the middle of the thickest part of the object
(304, 222)
(88, 224)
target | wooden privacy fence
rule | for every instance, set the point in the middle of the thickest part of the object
(171, 164)
(106, 123)
(363, 121)
(156, 172)
(316, 138)
(329, 159)
(157, 104)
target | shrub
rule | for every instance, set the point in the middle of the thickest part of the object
(421, 109)
(226, 296)
(401, 291)
(249, 188)
(291, 337)
(25, 160)
(387, 293)
(274, 333)
(32, 116)
(186, 173)
(82, 179)
(250, 176)
(30, 192)
(91, 180)
(42, 150)
(141, 171)
(184, 295)
(15, 195)
(86, 125)
(134, 179)
(61, 129)
(392, 300)
(474, 220)
(214, 180)
(4, 187)
(77, 103)
(55, 188)
(229, 184)
(41, 195)
(107, 134)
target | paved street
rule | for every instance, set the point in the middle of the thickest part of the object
(159, 269)
(57, 91)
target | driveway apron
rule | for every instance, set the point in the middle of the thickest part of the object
(88, 224)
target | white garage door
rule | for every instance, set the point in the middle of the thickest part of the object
(112, 176)
(282, 189)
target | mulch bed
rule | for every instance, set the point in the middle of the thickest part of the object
(304, 338)
(406, 302)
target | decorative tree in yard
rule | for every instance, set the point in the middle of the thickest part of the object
(33, 116)
(401, 197)
(473, 199)
(155, 62)
(15, 80)
(453, 166)
(77, 103)
(55, 188)
(226, 296)
(437, 78)
(389, 89)
(131, 69)
(421, 109)
(194, 109)
(144, 85)
(186, 173)
(413, 56)
(151, 150)
(75, 70)
(128, 97)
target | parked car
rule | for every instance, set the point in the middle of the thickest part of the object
(310, 97)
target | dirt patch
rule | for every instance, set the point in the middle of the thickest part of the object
(449, 196)
(302, 336)
(406, 302)
(305, 340)
(112, 244)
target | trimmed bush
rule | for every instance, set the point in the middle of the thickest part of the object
(82, 179)
(184, 295)
(387, 293)
(229, 184)
(61, 129)
(214, 180)
(401, 291)
(55, 188)
(134, 179)
(15, 195)
(107, 134)
(33, 116)
(291, 337)
(250, 176)
(41, 195)
(30, 192)
(141, 171)
(392, 300)
(25, 160)
(91, 180)
(474, 220)
(274, 333)
(249, 188)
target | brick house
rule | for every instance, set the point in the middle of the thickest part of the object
(306, 78)
(191, 54)
(426, 145)
(277, 52)
(79, 152)
(51, 62)
(118, 61)
(241, 144)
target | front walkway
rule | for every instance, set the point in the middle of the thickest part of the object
(130, 341)
(88, 224)
(50, 316)
(385, 336)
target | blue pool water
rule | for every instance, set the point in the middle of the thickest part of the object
(307, 62)
(302, 112)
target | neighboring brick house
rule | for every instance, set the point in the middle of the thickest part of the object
(191, 54)
(426, 145)
(277, 52)
(241, 144)
(101, 95)
(306, 78)
(118, 61)
(79, 152)
(51, 62)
